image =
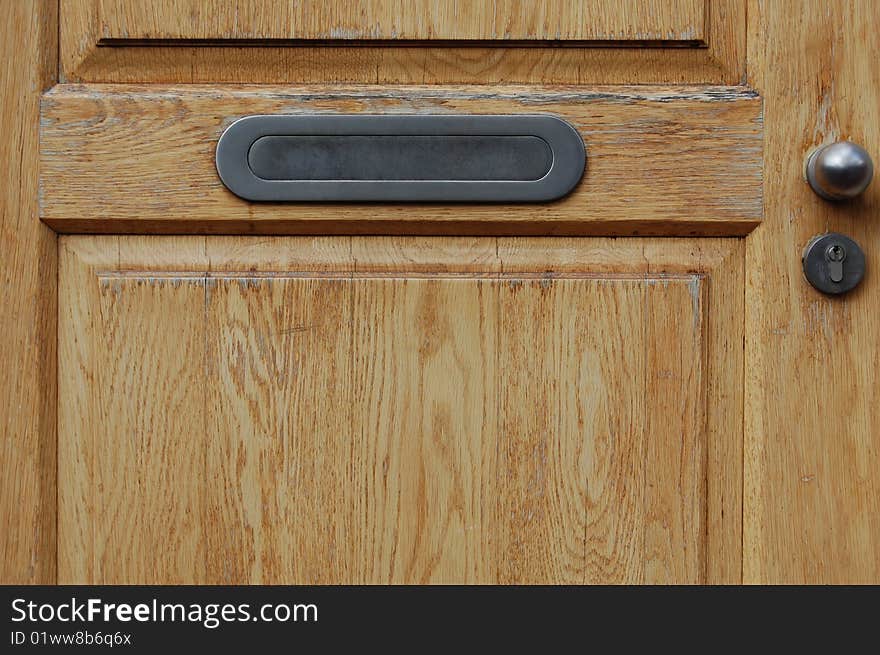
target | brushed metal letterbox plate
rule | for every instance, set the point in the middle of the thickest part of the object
(400, 158)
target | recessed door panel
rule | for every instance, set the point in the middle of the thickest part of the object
(238, 419)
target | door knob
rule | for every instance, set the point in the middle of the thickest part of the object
(839, 171)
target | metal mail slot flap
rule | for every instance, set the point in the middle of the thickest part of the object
(400, 158)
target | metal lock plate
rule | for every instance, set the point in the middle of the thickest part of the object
(833, 263)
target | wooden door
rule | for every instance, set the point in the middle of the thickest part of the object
(604, 388)
(378, 410)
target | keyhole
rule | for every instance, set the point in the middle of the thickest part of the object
(835, 256)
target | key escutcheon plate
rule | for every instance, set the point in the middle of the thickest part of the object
(833, 263)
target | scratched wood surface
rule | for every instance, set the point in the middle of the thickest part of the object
(678, 161)
(338, 409)
(28, 65)
(813, 405)
(389, 42)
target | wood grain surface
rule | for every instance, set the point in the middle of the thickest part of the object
(180, 357)
(813, 404)
(555, 20)
(338, 409)
(677, 161)
(28, 65)
(511, 42)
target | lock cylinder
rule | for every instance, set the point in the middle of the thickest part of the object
(833, 263)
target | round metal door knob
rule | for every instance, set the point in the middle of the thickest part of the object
(840, 171)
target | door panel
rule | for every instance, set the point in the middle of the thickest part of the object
(659, 161)
(668, 41)
(557, 20)
(397, 412)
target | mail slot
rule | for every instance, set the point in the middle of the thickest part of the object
(400, 158)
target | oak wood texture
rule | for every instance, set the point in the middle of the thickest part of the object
(676, 161)
(28, 64)
(190, 42)
(554, 20)
(812, 510)
(368, 409)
